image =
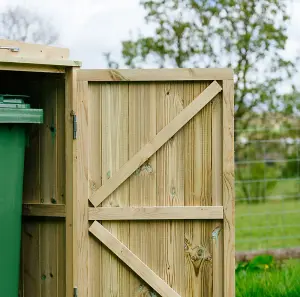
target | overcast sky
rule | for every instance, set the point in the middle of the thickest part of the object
(90, 27)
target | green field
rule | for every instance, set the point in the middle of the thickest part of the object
(274, 224)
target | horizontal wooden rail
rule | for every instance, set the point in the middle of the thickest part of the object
(182, 74)
(156, 213)
(44, 210)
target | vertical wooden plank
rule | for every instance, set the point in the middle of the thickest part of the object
(48, 259)
(115, 274)
(217, 199)
(31, 194)
(60, 145)
(198, 268)
(31, 181)
(142, 128)
(31, 251)
(71, 181)
(170, 188)
(82, 190)
(48, 188)
(61, 258)
(95, 181)
(61, 186)
(228, 188)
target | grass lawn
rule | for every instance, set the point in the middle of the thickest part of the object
(284, 282)
(274, 224)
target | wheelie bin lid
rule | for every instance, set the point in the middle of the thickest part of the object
(13, 109)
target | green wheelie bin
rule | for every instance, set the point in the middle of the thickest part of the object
(15, 115)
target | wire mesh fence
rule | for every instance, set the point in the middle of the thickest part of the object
(267, 170)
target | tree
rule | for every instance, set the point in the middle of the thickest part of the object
(246, 35)
(20, 24)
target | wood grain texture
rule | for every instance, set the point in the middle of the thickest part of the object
(31, 68)
(142, 128)
(95, 181)
(185, 170)
(71, 181)
(31, 259)
(155, 213)
(82, 191)
(170, 187)
(60, 142)
(36, 51)
(61, 258)
(30, 268)
(48, 260)
(31, 180)
(228, 188)
(48, 155)
(163, 135)
(198, 191)
(182, 74)
(35, 61)
(44, 210)
(217, 196)
(43, 245)
(114, 155)
(130, 259)
(60, 272)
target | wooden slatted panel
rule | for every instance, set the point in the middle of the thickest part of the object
(170, 187)
(185, 171)
(95, 181)
(198, 268)
(43, 246)
(114, 154)
(142, 128)
(164, 135)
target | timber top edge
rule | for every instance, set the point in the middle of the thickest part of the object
(46, 62)
(16, 52)
(163, 74)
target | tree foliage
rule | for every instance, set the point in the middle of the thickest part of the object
(248, 36)
(18, 23)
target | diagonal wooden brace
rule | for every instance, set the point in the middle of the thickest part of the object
(132, 261)
(156, 143)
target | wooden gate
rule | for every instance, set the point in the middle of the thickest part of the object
(155, 183)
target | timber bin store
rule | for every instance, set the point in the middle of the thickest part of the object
(128, 186)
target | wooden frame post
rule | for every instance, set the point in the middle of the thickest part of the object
(71, 178)
(228, 188)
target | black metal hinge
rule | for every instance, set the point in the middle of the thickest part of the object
(75, 293)
(74, 125)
